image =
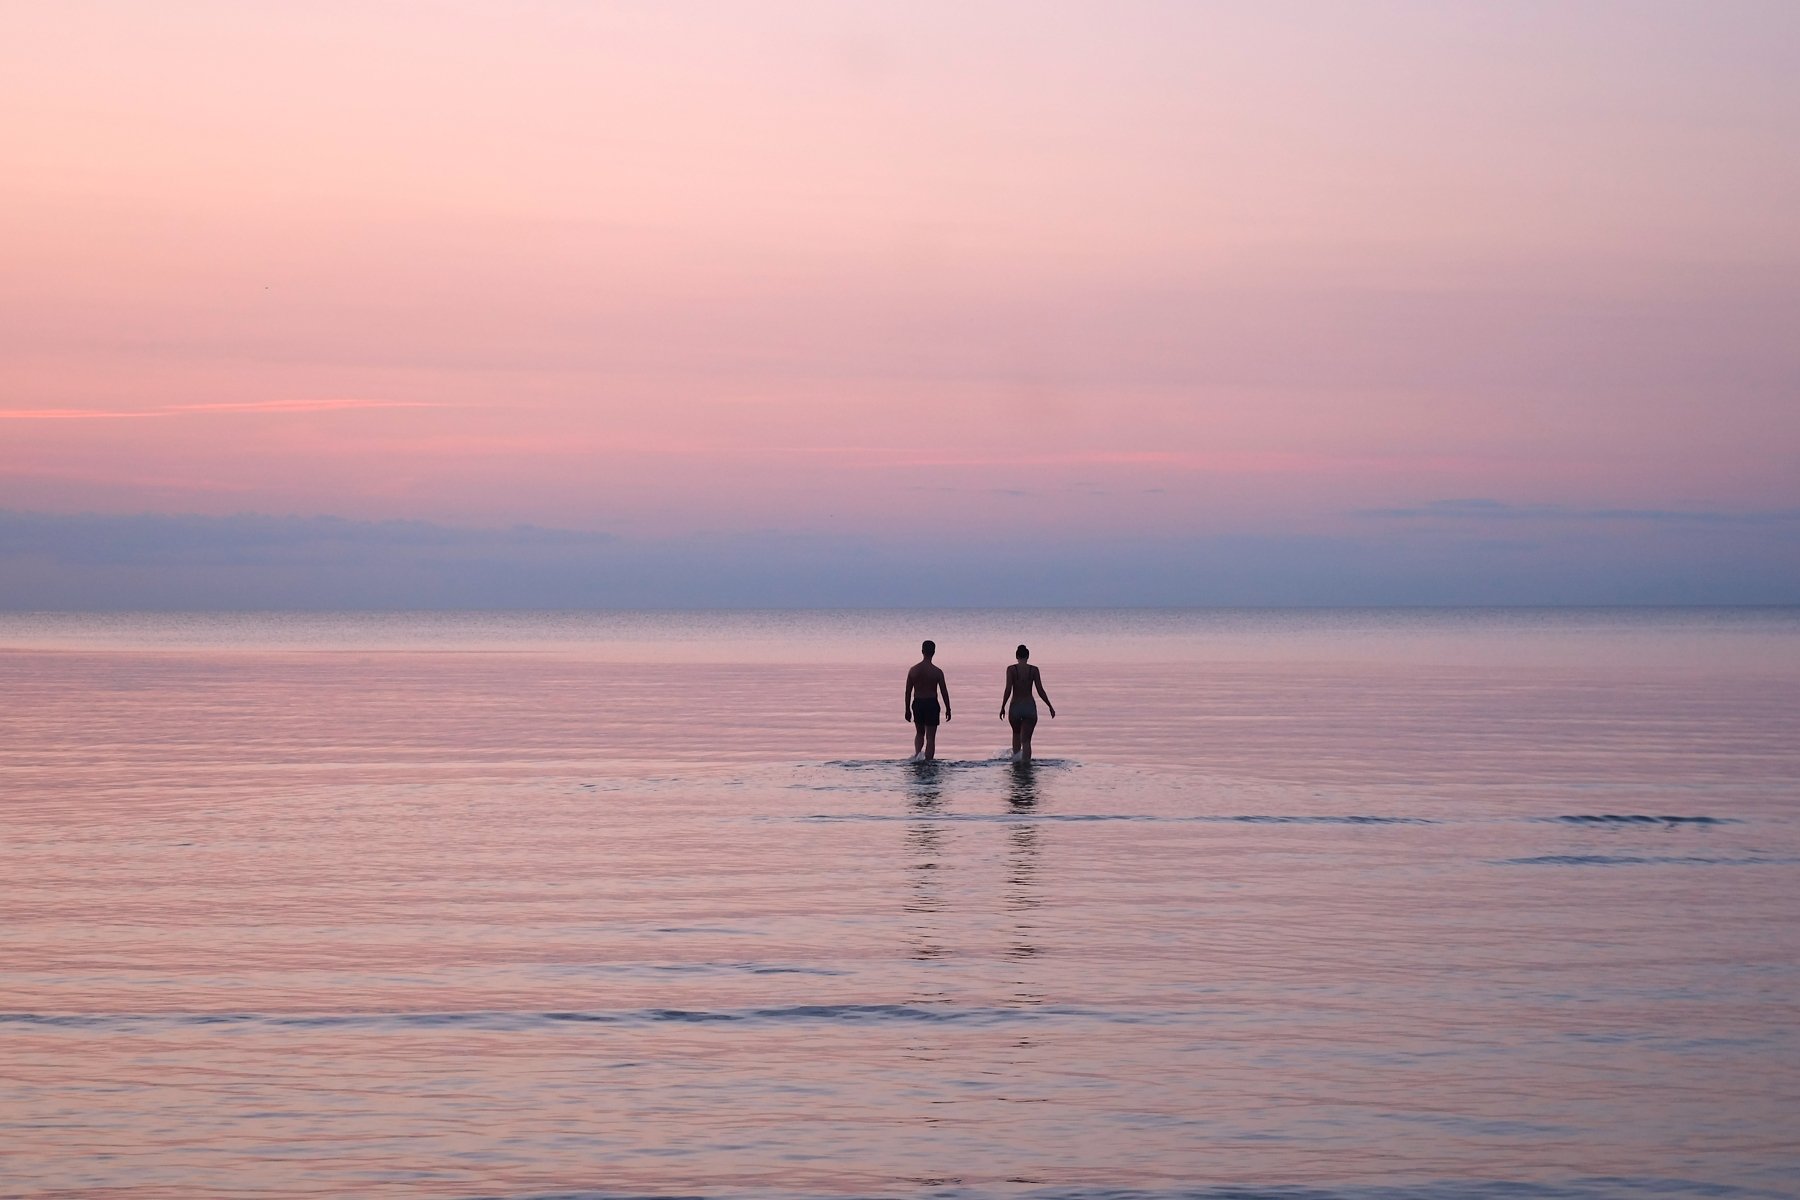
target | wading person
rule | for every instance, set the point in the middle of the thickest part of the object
(1018, 706)
(923, 683)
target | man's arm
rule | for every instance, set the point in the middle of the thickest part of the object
(944, 687)
(906, 709)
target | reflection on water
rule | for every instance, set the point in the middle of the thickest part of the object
(1022, 790)
(1024, 852)
(425, 922)
(925, 862)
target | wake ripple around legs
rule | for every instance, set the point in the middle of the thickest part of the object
(1244, 819)
(1000, 759)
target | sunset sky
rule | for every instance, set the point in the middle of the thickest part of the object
(559, 304)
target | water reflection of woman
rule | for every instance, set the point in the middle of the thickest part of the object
(1018, 706)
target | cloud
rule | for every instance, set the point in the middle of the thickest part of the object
(1498, 510)
(253, 540)
(191, 410)
(180, 562)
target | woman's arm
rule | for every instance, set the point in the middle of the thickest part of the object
(1007, 694)
(1037, 677)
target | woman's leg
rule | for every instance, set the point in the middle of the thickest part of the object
(1023, 737)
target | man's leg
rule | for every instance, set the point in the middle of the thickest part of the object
(918, 740)
(930, 742)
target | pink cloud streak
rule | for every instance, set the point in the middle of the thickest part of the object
(187, 410)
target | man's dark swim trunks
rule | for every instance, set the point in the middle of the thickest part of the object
(925, 712)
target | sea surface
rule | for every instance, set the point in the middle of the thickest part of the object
(1476, 904)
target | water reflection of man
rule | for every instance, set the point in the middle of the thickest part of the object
(923, 683)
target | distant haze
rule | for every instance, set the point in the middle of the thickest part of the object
(547, 304)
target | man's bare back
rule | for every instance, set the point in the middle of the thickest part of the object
(924, 684)
(925, 679)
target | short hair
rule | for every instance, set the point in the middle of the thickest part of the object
(928, 647)
(1023, 653)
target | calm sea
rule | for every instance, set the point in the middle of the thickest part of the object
(1389, 903)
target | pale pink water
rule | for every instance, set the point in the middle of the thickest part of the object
(1352, 903)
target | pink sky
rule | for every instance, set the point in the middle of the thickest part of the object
(1165, 269)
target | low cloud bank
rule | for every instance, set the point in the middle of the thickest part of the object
(1544, 556)
(1498, 510)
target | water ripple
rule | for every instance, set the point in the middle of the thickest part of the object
(1618, 860)
(508, 1020)
(1587, 1188)
(1627, 820)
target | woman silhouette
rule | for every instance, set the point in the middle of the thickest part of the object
(1021, 678)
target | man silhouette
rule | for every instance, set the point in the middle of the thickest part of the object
(923, 683)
